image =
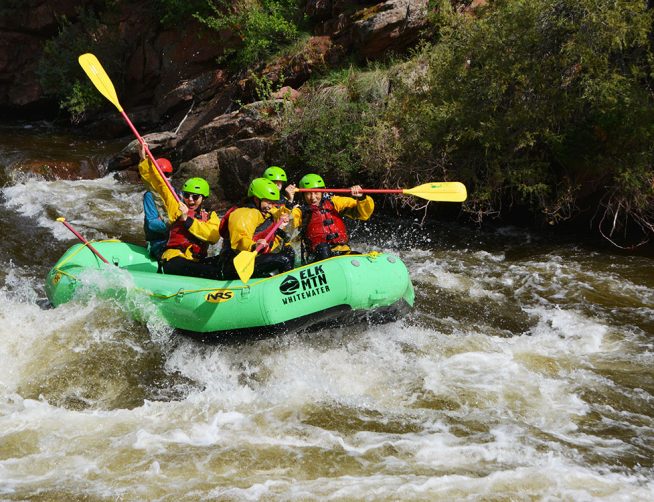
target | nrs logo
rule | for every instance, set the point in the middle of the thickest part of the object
(219, 296)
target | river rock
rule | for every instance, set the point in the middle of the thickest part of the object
(159, 144)
(60, 169)
(372, 29)
(226, 129)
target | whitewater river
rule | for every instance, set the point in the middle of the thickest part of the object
(525, 371)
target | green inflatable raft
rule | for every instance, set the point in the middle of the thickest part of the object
(373, 288)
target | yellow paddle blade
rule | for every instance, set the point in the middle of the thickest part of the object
(99, 77)
(443, 191)
(244, 264)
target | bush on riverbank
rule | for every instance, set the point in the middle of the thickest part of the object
(60, 74)
(333, 115)
(535, 104)
(263, 26)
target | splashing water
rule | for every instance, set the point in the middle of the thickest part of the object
(524, 372)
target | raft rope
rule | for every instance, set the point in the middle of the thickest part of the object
(82, 246)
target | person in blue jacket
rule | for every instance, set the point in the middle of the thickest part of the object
(156, 229)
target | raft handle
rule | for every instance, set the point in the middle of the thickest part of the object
(377, 297)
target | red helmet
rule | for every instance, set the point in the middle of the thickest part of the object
(165, 166)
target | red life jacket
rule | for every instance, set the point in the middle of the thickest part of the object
(322, 223)
(224, 223)
(180, 238)
(259, 232)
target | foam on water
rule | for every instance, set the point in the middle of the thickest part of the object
(510, 381)
(259, 402)
(99, 208)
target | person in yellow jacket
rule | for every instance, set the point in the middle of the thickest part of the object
(244, 229)
(319, 218)
(192, 228)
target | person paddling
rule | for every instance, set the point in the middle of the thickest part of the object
(154, 226)
(278, 176)
(243, 229)
(192, 228)
(320, 221)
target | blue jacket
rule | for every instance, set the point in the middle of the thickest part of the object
(156, 229)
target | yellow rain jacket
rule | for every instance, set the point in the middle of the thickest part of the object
(207, 231)
(242, 225)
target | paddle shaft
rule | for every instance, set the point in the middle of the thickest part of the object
(84, 241)
(149, 154)
(347, 190)
(269, 235)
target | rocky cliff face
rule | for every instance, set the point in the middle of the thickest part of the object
(157, 59)
(173, 79)
(24, 29)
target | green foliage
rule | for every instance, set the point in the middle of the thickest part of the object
(264, 87)
(533, 99)
(541, 105)
(80, 99)
(325, 135)
(264, 26)
(60, 74)
(174, 12)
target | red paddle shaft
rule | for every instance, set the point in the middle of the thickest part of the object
(347, 190)
(149, 153)
(84, 241)
(269, 235)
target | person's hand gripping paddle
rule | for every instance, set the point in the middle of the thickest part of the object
(244, 261)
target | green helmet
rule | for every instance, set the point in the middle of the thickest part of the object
(312, 181)
(196, 185)
(263, 189)
(275, 173)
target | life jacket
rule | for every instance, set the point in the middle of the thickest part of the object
(259, 232)
(224, 223)
(180, 237)
(322, 224)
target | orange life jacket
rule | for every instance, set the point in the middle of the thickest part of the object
(180, 237)
(321, 223)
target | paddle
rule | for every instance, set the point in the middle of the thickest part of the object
(102, 82)
(244, 261)
(84, 241)
(442, 191)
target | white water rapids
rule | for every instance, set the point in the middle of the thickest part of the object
(523, 373)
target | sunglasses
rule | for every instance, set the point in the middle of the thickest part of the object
(191, 196)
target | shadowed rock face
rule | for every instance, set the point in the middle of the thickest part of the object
(158, 60)
(25, 26)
